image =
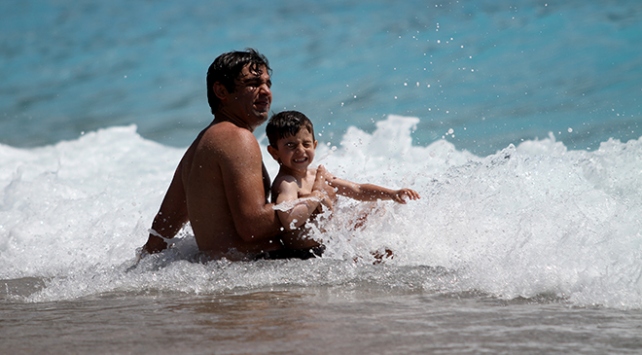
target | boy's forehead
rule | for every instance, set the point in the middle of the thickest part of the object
(302, 130)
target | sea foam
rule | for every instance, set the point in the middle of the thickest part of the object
(529, 220)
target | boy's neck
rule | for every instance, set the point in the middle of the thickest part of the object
(297, 173)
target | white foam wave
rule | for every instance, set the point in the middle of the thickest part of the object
(528, 220)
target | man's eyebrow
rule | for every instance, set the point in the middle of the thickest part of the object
(254, 79)
(249, 77)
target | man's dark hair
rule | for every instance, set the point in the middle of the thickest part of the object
(227, 67)
(286, 124)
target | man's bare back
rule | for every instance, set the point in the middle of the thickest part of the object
(231, 155)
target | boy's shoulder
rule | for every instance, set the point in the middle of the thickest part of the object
(285, 178)
(282, 177)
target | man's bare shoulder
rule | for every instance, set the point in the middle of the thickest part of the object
(225, 135)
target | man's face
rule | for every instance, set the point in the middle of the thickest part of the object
(252, 96)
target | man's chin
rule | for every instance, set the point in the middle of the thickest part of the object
(263, 114)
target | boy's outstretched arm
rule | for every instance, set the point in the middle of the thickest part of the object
(369, 192)
(401, 195)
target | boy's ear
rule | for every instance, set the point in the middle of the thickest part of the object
(273, 152)
(315, 143)
(220, 90)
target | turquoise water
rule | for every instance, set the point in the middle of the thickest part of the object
(517, 122)
(494, 72)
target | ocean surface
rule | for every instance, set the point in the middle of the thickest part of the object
(518, 122)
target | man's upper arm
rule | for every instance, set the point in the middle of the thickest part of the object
(242, 172)
(171, 216)
(174, 205)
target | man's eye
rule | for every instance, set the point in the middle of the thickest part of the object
(252, 83)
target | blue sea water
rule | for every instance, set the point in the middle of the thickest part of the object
(495, 72)
(518, 122)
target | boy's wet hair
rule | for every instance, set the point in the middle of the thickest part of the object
(286, 124)
(227, 67)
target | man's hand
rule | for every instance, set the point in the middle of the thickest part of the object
(154, 244)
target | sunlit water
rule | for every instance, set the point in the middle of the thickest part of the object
(517, 123)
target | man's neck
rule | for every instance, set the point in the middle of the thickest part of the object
(222, 116)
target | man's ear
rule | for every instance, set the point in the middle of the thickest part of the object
(273, 152)
(220, 90)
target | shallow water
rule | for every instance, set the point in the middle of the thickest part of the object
(517, 122)
(346, 319)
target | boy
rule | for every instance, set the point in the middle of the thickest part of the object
(292, 145)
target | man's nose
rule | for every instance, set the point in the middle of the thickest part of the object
(265, 89)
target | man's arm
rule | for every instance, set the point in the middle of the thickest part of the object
(171, 216)
(242, 171)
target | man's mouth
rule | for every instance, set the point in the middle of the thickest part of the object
(263, 105)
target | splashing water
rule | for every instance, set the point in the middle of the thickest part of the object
(529, 220)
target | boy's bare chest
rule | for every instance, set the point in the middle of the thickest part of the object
(305, 187)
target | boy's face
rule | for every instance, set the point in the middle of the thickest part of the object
(295, 152)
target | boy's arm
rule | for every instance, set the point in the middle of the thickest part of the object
(297, 210)
(369, 192)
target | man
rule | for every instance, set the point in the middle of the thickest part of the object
(220, 185)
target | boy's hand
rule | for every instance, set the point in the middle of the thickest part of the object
(322, 187)
(319, 181)
(323, 172)
(408, 193)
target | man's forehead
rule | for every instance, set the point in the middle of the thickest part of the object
(253, 70)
